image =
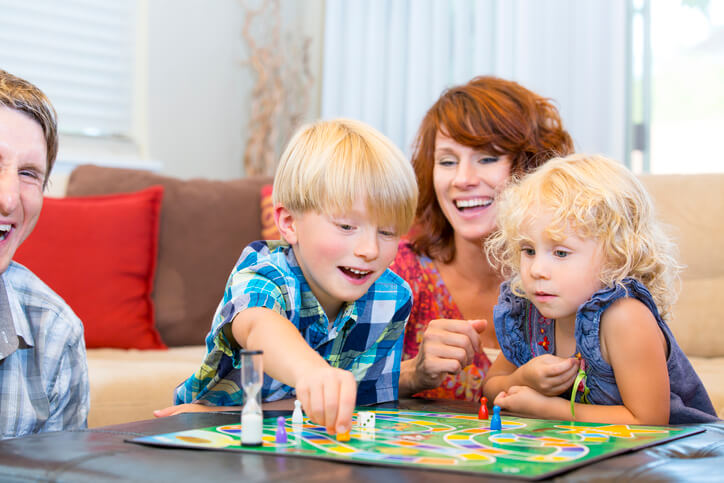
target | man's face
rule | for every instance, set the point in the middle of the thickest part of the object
(22, 173)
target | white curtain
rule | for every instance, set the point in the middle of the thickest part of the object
(387, 61)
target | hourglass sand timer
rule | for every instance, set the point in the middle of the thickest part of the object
(252, 377)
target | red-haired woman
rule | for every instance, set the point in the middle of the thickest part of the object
(469, 144)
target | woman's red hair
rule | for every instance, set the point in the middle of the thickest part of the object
(489, 114)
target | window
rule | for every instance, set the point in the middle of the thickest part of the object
(677, 77)
(80, 53)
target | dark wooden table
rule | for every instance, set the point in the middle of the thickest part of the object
(101, 454)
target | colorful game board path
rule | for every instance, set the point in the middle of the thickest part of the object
(527, 448)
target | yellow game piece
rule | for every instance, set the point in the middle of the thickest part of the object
(343, 436)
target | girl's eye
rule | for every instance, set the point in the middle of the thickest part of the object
(388, 233)
(344, 226)
(488, 159)
(527, 251)
(560, 253)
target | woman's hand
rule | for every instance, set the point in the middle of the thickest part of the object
(548, 374)
(448, 345)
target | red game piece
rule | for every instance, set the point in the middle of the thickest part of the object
(483, 411)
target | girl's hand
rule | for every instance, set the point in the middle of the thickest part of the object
(522, 400)
(447, 346)
(548, 374)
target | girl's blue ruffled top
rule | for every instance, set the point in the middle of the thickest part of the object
(523, 333)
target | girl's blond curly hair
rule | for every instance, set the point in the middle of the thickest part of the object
(597, 198)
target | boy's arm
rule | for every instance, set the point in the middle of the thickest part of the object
(327, 394)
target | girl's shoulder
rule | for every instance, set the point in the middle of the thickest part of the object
(615, 302)
(605, 321)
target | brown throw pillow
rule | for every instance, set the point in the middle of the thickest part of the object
(205, 224)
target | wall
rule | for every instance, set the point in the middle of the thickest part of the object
(192, 90)
(199, 85)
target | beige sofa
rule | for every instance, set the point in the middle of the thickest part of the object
(692, 207)
(127, 385)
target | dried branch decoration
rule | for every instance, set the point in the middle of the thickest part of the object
(280, 58)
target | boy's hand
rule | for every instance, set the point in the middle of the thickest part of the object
(548, 374)
(328, 396)
(448, 345)
(191, 408)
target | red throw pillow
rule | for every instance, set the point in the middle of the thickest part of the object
(269, 230)
(99, 254)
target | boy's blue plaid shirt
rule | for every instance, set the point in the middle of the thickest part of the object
(366, 337)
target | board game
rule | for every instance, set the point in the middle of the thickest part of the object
(524, 448)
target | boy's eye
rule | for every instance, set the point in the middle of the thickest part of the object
(560, 253)
(344, 226)
(388, 233)
(527, 251)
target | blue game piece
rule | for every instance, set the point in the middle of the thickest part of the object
(281, 434)
(495, 422)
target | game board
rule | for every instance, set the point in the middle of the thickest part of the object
(527, 448)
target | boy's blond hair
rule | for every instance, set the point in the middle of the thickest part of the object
(327, 165)
(597, 198)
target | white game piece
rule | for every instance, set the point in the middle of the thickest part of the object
(297, 415)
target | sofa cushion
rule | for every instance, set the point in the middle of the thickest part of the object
(205, 224)
(129, 385)
(690, 205)
(90, 251)
(709, 370)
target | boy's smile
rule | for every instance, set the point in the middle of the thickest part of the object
(341, 256)
(560, 274)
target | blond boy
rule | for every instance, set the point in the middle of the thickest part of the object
(321, 303)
